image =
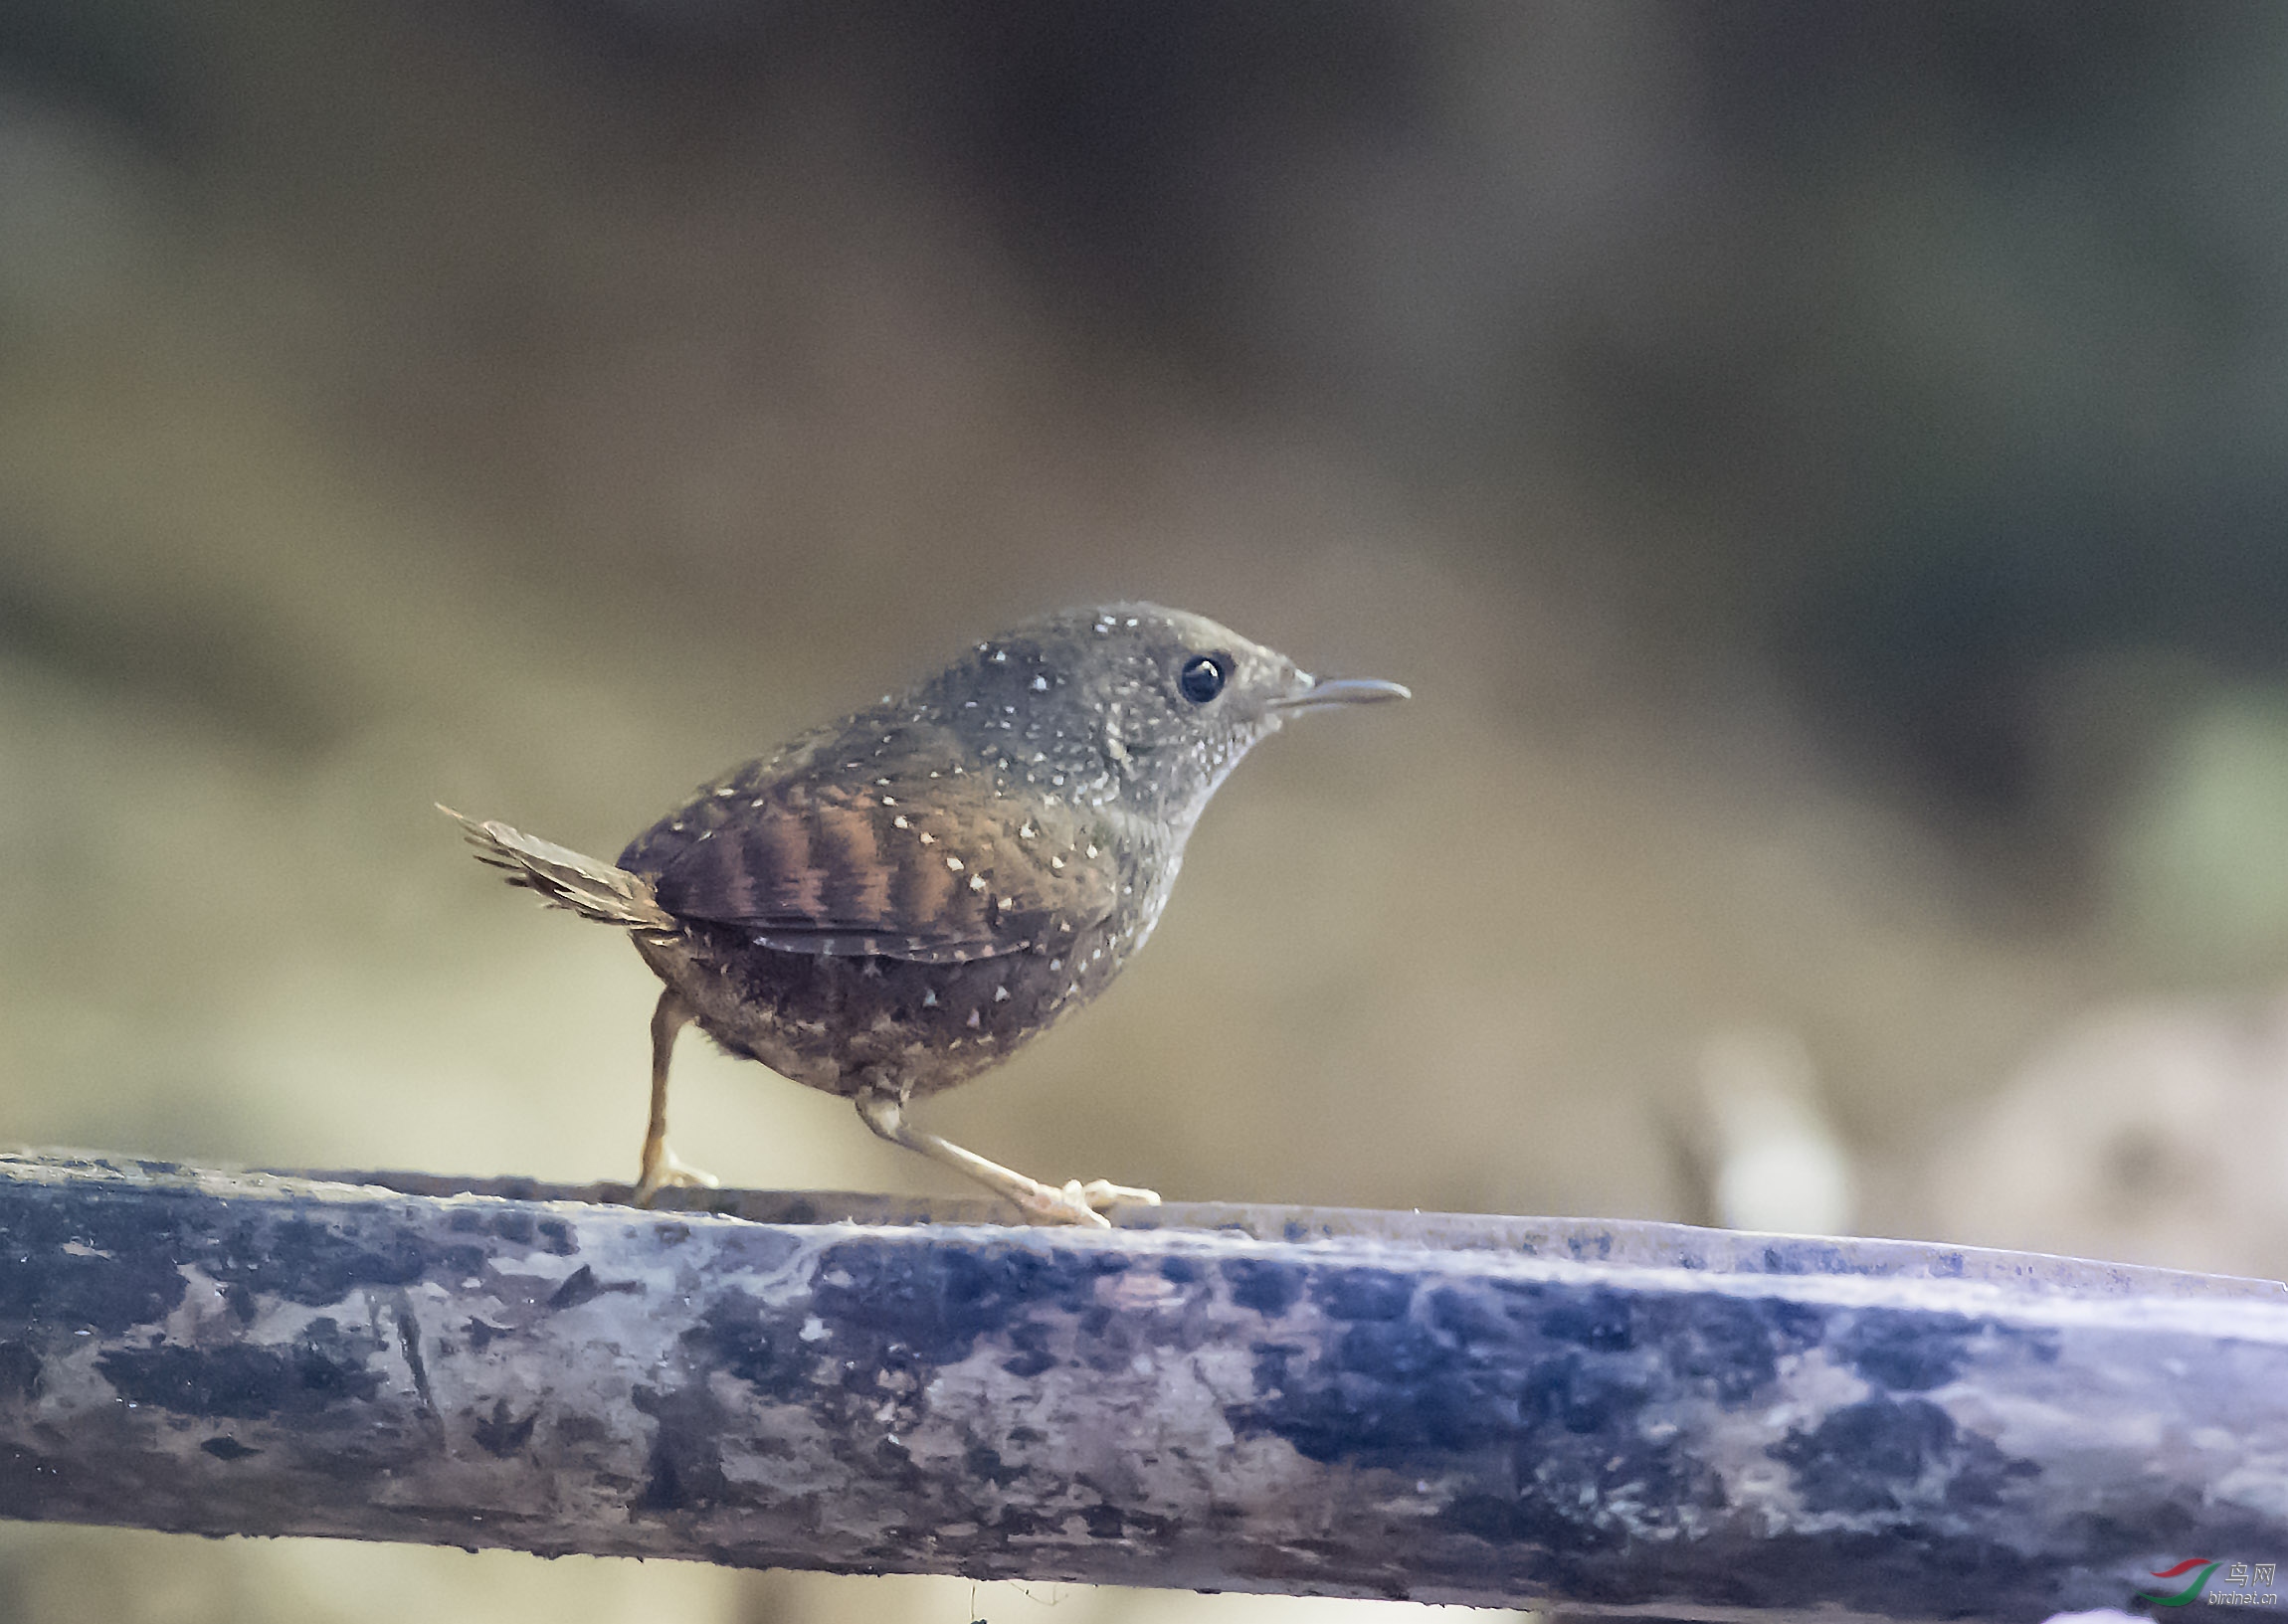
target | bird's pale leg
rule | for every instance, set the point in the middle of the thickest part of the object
(1076, 1202)
(660, 1169)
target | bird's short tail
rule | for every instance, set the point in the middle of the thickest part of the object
(565, 879)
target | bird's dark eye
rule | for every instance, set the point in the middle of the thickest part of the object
(1201, 678)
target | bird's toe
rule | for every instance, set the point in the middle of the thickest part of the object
(1100, 1194)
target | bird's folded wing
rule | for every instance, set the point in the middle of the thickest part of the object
(809, 867)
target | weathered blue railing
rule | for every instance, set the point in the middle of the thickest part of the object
(1598, 1416)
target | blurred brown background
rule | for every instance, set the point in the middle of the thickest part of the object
(1823, 471)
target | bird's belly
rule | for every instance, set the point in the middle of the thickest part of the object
(846, 1024)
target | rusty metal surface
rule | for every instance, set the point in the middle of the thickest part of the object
(1604, 1416)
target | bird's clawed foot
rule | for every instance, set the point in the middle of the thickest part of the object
(1079, 1203)
(1076, 1204)
(665, 1171)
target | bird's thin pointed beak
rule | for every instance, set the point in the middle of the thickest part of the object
(1345, 690)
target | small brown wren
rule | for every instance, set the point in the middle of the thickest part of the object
(887, 905)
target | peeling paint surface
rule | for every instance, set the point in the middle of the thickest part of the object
(1504, 1411)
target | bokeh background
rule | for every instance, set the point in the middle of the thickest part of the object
(1823, 471)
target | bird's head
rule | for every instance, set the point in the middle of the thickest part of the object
(1133, 703)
